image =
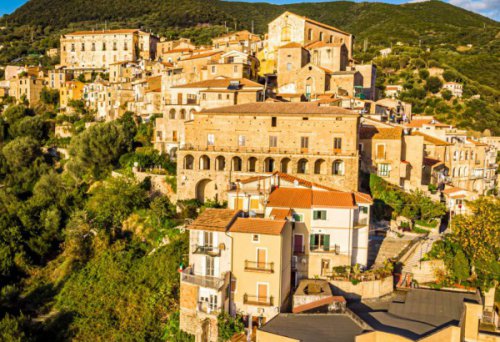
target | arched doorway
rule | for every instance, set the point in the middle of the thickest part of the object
(206, 189)
(285, 165)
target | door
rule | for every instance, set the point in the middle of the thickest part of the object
(325, 267)
(298, 243)
(261, 258)
(262, 293)
(209, 266)
(238, 203)
(179, 98)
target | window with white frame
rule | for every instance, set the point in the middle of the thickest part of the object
(319, 215)
(384, 170)
(210, 140)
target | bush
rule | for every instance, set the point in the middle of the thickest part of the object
(228, 326)
(433, 84)
(446, 94)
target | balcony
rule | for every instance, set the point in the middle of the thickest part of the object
(206, 250)
(208, 308)
(257, 300)
(252, 266)
(201, 280)
(325, 249)
(361, 223)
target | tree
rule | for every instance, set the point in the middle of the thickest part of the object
(450, 75)
(21, 152)
(30, 126)
(97, 150)
(478, 234)
(423, 74)
(112, 201)
(433, 84)
(49, 96)
(460, 268)
(15, 113)
(446, 94)
(228, 326)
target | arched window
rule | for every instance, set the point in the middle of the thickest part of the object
(183, 114)
(338, 168)
(459, 172)
(252, 164)
(236, 164)
(319, 166)
(204, 162)
(286, 33)
(466, 155)
(454, 173)
(220, 163)
(302, 166)
(285, 164)
(171, 114)
(188, 162)
(191, 114)
(461, 155)
(269, 165)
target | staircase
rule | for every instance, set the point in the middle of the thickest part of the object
(381, 250)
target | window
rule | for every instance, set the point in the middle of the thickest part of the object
(114, 46)
(241, 140)
(380, 151)
(125, 46)
(337, 144)
(219, 96)
(310, 34)
(320, 242)
(288, 66)
(255, 238)
(321, 36)
(103, 46)
(83, 46)
(384, 170)
(210, 140)
(298, 217)
(159, 135)
(285, 34)
(93, 46)
(213, 69)
(228, 97)
(319, 215)
(273, 141)
(235, 69)
(72, 47)
(338, 168)
(304, 142)
(254, 204)
(274, 121)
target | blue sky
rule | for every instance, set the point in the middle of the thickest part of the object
(489, 8)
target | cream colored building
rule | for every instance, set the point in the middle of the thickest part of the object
(96, 50)
(243, 41)
(225, 144)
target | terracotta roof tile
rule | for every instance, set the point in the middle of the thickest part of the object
(258, 226)
(202, 55)
(280, 214)
(252, 179)
(321, 44)
(220, 83)
(290, 45)
(214, 220)
(431, 161)
(431, 140)
(307, 198)
(372, 132)
(451, 190)
(363, 198)
(276, 108)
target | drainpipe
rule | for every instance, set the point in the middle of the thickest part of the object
(230, 272)
(349, 244)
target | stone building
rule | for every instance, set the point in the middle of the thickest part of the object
(228, 143)
(186, 100)
(293, 28)
(96, 50)
(27, 87)
(243, 41)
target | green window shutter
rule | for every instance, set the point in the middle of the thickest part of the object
(323, 215)
(315, 215)
(311, 241)
(326, 242)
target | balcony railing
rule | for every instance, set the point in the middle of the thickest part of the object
(258, 300)
(361, 222)
(206, 250)
(273, 150)
(201, 280)
(325, 249)
(208, 308)
(253, 266)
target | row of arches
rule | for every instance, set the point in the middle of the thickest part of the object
(181, 115)
(460, 171)
(236, 164)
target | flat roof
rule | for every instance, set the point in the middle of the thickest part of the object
(314, 327)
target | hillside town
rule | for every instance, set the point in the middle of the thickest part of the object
(297, 161)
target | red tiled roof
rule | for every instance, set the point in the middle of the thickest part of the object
(451, 190)
(202, 55)
(372, 132)
(252, 179)
(431, 140)
(363, 198)
(290, 45)
(276, 108)
(214, 220)
(280, 214)
(121, 31)
(307, 198)
(258, 226)
(220, 83)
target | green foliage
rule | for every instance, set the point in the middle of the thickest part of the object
(433, 84)
(423, 74)
(11, 329)
(172, 331)
(148, 158)
(228, 326)
(97, 150)
(49, 96)
(446, 94)
(123, 293)
(112, 201)
(30, 126)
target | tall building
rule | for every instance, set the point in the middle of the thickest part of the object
(305, 139)
(96, 50)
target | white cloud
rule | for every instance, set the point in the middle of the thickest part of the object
(489, 8)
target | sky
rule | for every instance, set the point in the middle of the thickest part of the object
(489, 8)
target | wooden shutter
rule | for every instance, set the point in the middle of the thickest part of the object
(381, 151)
(326, 242)
(254, 204)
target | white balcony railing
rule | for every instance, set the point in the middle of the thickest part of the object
(188, 276)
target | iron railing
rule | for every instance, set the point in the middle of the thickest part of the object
(258, 300)
(188, 276)
(206, 250)
(259, 266)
